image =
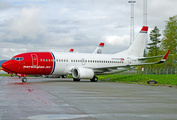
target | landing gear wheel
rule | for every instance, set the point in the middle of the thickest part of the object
(75, 79)
(24, 79)
(11, 75)
(63, 76)
(94, 79)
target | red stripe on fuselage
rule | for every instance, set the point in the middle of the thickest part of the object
(33, 63)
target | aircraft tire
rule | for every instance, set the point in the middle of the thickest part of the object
(24, 79)
(63, 76)
(94, 79)
(74, 79)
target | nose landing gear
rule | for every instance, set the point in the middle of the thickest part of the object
(24, 79)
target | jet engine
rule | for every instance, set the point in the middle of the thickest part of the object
(81, 73)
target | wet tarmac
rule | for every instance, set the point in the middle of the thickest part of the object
(62, 99)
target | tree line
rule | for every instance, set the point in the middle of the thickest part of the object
(161, 43)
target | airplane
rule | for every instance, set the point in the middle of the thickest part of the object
(80, 65)
(98, 50)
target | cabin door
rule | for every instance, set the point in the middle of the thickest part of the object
(34, 59)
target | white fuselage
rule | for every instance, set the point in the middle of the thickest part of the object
(64, 62)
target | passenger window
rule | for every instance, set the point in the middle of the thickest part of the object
(44, 60)
(40, 59)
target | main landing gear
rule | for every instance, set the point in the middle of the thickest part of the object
(24, 79)
(94, 79)
(75, 79)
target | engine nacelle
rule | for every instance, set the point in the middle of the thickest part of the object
(81, 73)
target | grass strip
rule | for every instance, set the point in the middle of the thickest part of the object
(140, 79)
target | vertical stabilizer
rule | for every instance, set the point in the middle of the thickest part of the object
(71, 50)
(98, 50)
(138, 46)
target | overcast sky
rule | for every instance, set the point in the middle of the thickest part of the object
(58, 25)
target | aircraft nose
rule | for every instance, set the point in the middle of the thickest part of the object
(7, 65)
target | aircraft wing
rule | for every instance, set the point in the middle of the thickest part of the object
(131, 65)
(145, 58)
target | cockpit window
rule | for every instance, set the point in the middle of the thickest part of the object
(21, 58)
(17, 58)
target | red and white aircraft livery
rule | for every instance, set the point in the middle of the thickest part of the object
(71, 50)
(98, 50)
(80, 65)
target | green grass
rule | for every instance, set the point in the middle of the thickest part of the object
(5, 75)
(140, 79)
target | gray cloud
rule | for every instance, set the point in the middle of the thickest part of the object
(58, 25)
(5, 5)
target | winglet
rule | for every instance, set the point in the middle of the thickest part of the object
(101, 45)
(164, 57)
